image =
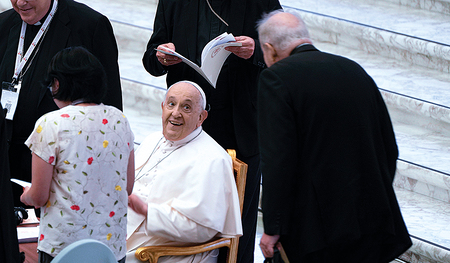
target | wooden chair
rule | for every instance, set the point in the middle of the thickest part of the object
(152, 253)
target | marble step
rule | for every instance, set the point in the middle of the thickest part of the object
(132, 41)
(438, 6)
(428, 222)
(419, 125)
(142, 93)
(142, 107)
(422, 131)
(406, 49)
(387, 15)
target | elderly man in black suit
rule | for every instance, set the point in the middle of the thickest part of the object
(187, 26)
(328, 153)
(37, 30)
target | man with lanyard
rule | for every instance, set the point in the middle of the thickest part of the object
(32, 32)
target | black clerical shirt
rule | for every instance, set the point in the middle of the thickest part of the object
(209, 27)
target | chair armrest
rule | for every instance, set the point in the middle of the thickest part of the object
(152, 253)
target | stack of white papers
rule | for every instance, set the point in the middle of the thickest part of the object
(27, 234)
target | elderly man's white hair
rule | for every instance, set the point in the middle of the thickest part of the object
(202, 93)
(280, 35)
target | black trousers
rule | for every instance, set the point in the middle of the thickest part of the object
(250, 210)
(9, 245)
(367, 249)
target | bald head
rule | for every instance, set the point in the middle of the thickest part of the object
(279, 33)
(284, 19)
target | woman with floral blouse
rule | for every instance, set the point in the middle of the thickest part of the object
(82, 160)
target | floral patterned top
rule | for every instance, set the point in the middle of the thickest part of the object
(89, 148)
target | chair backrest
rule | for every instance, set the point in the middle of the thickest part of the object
(86, 251)
(240, 175)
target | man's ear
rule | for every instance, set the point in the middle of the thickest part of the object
(272, 54)
(202, 117)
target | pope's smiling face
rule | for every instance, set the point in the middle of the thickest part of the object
(182, 111)
(31, 11)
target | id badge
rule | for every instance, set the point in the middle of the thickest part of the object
(9, 102)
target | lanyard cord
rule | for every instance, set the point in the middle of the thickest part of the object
(210, 7)
(22, 73)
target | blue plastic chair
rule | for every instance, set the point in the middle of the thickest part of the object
(86, 251)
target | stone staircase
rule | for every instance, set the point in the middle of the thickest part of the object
(403, 44)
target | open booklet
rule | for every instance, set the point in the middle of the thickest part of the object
(213, 57)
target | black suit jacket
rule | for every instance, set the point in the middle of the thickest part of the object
(74, 24)
(177, 22)
(328, 155)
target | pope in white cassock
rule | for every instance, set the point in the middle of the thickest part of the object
(184, 191)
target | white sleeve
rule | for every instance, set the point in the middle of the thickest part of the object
(166, 222)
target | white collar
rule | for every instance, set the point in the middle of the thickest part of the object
(186, 139)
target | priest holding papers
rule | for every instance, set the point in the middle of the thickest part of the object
(184, 192)
(186, 27)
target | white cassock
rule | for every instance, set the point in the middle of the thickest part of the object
(191, 194)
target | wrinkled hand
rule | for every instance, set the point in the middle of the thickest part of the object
(139, 206)
(246, 50)
(167, 60)
(267, 243)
